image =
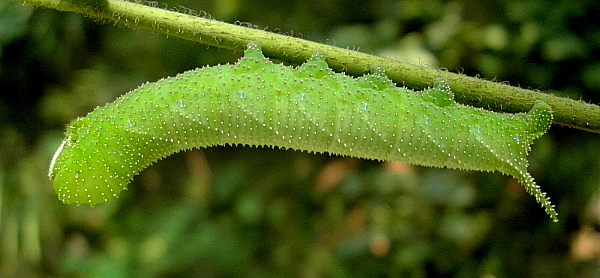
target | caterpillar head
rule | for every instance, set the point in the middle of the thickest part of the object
(80, 174)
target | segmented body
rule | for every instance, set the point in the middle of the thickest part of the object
(255, 102)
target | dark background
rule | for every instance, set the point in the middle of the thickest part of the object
(255, 212)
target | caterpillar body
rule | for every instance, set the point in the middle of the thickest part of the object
(256, 102)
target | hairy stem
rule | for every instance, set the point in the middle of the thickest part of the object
(468, 90)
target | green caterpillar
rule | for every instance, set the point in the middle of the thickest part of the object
(255, 102)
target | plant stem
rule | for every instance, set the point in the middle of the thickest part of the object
(468, 90)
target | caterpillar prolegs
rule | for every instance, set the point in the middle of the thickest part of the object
(256, 102)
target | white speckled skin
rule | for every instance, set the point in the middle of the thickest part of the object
(255, 102)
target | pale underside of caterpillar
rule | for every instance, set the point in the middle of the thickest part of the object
(256, 102)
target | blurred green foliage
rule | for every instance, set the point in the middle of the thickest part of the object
(254, 212)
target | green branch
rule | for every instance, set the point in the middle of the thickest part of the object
(468, 90)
